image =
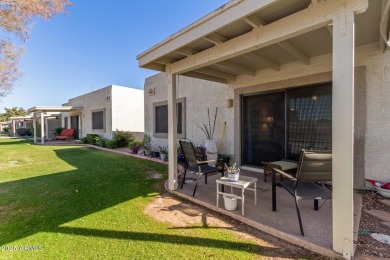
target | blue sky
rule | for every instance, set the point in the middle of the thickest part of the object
(96, 46)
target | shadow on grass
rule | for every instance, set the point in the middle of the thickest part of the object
(15, 140)
(100, 180)
(155, 237)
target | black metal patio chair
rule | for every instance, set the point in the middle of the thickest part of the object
(314, 173)
(192, 163)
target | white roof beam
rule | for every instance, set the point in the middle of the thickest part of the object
(254, 20)
(257, 58)
(194, 74)
(238, 68)
(281, 30)
(216, 73)
(165, 60)
(288, 47)
(215, 38)
(187, 51)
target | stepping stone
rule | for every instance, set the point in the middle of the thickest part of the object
(386, 224)
(379, 214)
(385, 202)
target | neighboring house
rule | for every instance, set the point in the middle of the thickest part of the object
(302, 73)
(16, 122)
(106, 110)
(4, 125)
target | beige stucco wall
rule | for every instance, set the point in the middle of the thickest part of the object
(52, 123)
(123, 109)
(92, 101)
(200, 95)
(127, 109)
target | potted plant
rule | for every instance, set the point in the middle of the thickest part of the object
(163, 152)
(211, 146)
(233, 172)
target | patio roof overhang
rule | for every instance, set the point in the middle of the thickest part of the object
(20, 118)
(246, 37)
(52, 109)
(244, 40)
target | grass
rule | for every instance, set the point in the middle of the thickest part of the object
(78, 202)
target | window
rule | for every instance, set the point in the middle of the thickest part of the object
(98, 120)
(160, 119)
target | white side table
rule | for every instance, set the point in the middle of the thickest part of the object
(243, 183)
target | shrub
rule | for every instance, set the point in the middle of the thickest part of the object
(84, 140)
(100, 141)
(122, 138)
(58, 130)
(92, 138)
(111, 144)
(6, 129)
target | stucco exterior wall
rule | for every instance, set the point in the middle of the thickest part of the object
(127, 109)
(52, 124)
(96, 100)
(200, 95)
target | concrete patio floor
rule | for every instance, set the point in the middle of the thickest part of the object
(282, 223)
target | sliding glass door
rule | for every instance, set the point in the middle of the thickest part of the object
(263, 128)
(278, 125)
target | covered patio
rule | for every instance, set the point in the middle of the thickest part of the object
(282, 223)
(265, 45)
(44, 113)
(17, 122)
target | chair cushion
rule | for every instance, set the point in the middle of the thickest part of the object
(204, 169)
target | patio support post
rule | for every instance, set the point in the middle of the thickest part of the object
(172, 132)
(62, 120)
(47, 128)
(42, 129)
(35, 128)
(343, 132)
(69, 121)
(14, 127)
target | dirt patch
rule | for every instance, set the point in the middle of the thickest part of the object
(180, 214)
(366, 245)
(154, 175)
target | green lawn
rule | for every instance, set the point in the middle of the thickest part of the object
(78, 202)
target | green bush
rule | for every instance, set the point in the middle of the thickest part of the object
(58, 130)
(111, 144)
(122, 138)
(6, 129)
(100, 141)
(84, 140)
(91, 138)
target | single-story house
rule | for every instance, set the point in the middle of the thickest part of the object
(106, 110)
(16, 122)
(99, 112)
(301, 74)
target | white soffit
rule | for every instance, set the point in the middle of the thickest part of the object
(229, 27)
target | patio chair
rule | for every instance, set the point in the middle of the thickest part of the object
(313, 175)
(192, 164)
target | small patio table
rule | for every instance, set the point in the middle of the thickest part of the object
(243, 183)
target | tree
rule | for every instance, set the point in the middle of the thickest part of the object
(14, 111)
(16, 17)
